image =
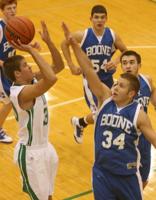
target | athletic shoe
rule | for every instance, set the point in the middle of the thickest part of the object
(78, 130)
(4, 137)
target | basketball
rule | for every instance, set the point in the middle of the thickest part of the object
(20, 28)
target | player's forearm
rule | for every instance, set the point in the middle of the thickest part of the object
(58, 64)
(46, 70)
(66, 52)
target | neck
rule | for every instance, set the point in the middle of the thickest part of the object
(21, 82)
(98, 32)
(123, 104)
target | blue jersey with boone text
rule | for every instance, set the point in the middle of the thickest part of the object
(99, 50)
(6, 50)
(116, 138)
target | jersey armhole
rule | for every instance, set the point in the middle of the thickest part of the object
(136, 118)
(113, 34)
(103, 104)
(84, 37)
(1, 33)
(146, 80)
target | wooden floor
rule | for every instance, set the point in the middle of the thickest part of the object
(135, 21)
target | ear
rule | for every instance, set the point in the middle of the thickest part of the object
(132, 94)
(17, 74)
(139, 65)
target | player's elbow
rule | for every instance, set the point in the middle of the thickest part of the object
(54, 80)
(60, 67)
(51, 80)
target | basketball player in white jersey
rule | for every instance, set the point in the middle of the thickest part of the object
(36, 157)
(99, 42)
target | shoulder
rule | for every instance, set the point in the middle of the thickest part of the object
(149, 79)
(15, 90)
(79, 35)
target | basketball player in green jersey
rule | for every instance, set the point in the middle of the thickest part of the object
(36, 157)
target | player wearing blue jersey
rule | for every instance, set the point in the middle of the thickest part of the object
(118, 123)
(131, 63)
(8, 9)
(99, 43)
(36, 157)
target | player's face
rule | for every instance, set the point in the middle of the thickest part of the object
(98, 21)
(120, 92)
(26, 73)
(129, 64)
(9, 11)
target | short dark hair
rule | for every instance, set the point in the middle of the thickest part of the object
(98, 9)
(131, 53)
(11, 65)
(133, 80)
(4, 3)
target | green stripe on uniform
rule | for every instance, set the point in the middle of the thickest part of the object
(78, 195)
(22, 165)
(15, 112)
(30, 126)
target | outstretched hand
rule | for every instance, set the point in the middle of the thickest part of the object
(68, 34)
(44, 33)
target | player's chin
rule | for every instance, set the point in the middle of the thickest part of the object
(10, 16)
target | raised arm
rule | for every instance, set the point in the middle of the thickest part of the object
(144, 125)
(58, 64)
(67, 54)
(30, 92)
(100, 90)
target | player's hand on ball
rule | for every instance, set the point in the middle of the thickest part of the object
(22, 47)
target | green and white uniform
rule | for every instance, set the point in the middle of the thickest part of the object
(36, 157)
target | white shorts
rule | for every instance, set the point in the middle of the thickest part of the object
(38, 167)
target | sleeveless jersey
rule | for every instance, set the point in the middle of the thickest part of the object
(116, 138)
(33, 123)
(144, 93)
(5, 51)
(5, 48)
(99, 51)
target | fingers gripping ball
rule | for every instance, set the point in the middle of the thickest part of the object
(20, 28)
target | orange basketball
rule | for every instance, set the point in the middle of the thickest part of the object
(20, 28)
